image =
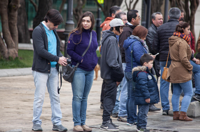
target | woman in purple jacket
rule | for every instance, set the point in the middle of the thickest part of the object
(83, 77)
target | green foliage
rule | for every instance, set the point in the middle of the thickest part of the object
(24, 59)
(98, 53)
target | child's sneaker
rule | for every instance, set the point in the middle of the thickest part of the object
(131, 124)
(142, 130)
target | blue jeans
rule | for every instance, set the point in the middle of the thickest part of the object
(142, 116)
(187, 90)
(130, 104)
(120, 105)
(81, 85)
(196, 72)
(123, 96)
(49, 80)
(164, 87)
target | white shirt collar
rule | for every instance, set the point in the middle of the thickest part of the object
(45, 25)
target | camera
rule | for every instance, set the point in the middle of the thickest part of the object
(69, 61)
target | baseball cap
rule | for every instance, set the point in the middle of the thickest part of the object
(116, 22)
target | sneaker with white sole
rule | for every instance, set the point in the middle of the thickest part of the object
(37, 127)
(109, 126)
(59, 128)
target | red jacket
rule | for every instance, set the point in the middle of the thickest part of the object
(192, 44)
(105, 25)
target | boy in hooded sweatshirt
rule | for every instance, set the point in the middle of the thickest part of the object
(146, 90)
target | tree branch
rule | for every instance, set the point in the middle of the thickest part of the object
(126, 5)
(135, 4)
(34, 4)
(62, 5)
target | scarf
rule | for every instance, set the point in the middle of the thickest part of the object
(183, 36)
(142, 41)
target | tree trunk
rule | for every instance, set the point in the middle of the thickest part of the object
(44, 6)
(9, 47)
(107, 5)
(78, 11)
(22, 24)
(156, 6)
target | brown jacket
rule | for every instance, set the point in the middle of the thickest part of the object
(106, 24)
(180, 69)
(198, 43)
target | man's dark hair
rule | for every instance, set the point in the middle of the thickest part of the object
(116, 28)
(146, 58)
(131, 14)
(113, 10)
(118, 15)
(53, 16)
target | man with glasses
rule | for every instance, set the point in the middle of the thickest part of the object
(46, 60)
(127, 108)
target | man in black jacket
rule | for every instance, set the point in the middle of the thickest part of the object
(46, 60)
(161, 45)
(134, 20)
(157, 21)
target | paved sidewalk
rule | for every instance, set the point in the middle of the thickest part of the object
(16, 106)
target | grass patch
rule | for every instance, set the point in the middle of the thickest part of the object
(24, 59)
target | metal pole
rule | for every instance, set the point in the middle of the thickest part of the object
(98, 22)
(69, 25)
(166, 10)
(148, 13)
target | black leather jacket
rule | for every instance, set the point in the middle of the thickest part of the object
(150, 37)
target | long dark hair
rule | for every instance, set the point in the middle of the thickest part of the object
(79, 28)
(181, 26)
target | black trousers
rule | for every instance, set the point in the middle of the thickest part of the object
(102, 91)
(109, 99)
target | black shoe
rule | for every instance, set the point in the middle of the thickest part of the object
(59, 128)
(101, 106)
(113, 124)
(115, 115)
(196, 97)
(109, 126)
(36, 127)
(165, 112)
(153, 108)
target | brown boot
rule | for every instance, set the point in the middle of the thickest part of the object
(86, 128)
(183, 117)
(78, 128)
(176, 115)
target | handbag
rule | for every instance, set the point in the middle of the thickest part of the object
(68, 70)
(165, 74)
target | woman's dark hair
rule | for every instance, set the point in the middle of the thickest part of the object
(181, 26)
(53, 16)
(140, 31)
(79, 27)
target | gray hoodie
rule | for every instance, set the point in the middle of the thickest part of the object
(110, 54)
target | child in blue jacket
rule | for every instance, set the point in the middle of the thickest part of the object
(146, 90)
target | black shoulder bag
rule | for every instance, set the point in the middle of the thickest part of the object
(68, 71)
